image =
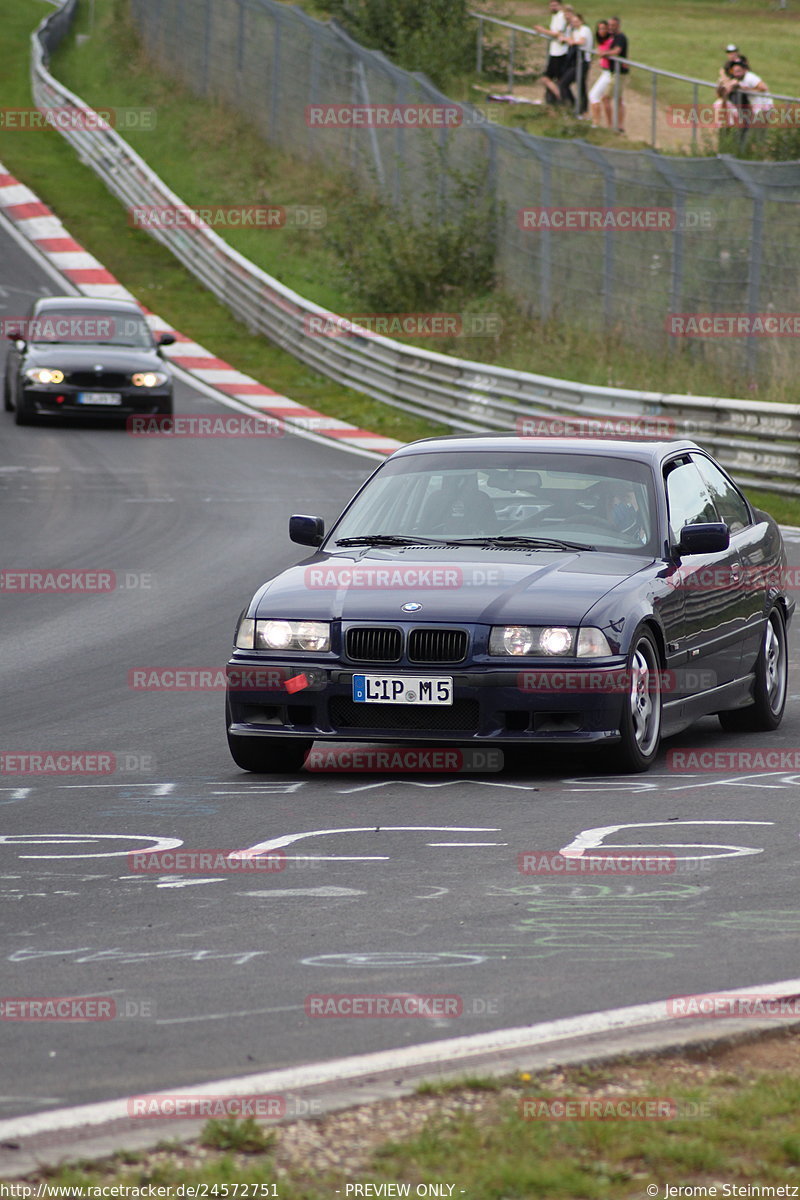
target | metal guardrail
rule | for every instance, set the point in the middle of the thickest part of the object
(759, 441)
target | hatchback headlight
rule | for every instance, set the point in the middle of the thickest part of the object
(149, 379)
(44, 375)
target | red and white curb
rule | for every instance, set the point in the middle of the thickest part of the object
(42, 228)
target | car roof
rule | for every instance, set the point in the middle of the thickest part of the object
(78, 303)
(639, 450)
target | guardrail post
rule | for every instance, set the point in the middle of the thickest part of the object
(511, 49)
(654, 110)
(479, 54)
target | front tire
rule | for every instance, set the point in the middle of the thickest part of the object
(771, 684)
(640, 725)
(22, 416)
(265, 756)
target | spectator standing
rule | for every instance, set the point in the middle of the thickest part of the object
(754, 87)
(580, 41)
(557, 52)
(618, 49)
(747, 92)
(731, 54)
(603, 41)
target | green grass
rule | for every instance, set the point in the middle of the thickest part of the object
(734, 1126)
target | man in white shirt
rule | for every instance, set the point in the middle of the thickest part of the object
(558, 50)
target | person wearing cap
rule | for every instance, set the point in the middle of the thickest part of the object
(751, 87)
(731, 55)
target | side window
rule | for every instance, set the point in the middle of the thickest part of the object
(687, 499)
(729, 503)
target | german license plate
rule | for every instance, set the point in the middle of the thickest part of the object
(402, 689)
(108, 398)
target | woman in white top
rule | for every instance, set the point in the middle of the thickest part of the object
(580, 40)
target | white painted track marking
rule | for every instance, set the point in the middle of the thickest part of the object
(440, 1054)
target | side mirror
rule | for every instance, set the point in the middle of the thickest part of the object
(166, 339)
(710, 538)
(307, 531)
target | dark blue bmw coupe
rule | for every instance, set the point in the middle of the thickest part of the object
(508, 591)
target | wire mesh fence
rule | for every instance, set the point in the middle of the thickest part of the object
(722, 238)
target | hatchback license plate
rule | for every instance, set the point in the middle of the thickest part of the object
(402, 689)
(107, 398)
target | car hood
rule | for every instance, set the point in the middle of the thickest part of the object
(493, 586)
(67, 358)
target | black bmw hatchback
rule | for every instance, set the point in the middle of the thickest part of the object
(79, 357)
(513, 591)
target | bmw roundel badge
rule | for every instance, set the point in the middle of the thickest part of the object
(412, 606)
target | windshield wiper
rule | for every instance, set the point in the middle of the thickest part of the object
(394, 539)
(534, 543)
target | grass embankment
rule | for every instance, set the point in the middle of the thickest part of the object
(737, 1128)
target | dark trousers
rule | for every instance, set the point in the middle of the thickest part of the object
(569, 77)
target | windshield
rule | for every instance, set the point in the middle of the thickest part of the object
(497, 497)
(54, 327)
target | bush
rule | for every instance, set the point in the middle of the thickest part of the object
(436, 37)
(398, 262)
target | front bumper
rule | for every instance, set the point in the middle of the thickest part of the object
(45, 400)
(490, 704)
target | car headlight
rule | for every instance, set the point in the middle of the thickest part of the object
(536, 640)
(44, 375)
(286, 635)
(149, 378)
(531, 640)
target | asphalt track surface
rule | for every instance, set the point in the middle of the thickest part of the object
(211, 975)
